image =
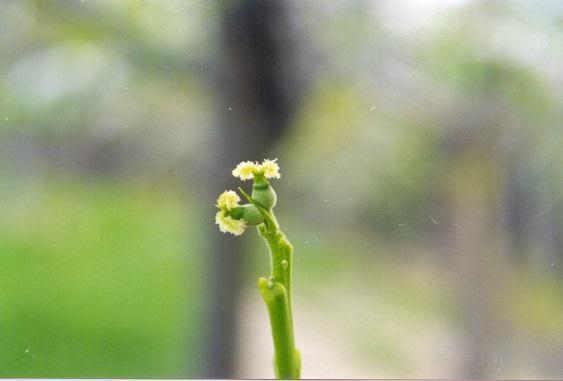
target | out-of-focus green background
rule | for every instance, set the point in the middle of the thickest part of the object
(421, 186)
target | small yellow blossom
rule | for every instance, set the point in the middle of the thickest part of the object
(228, 200)
(229, 225)
(271, 169)
(245, 170)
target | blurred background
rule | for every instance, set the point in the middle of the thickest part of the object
(421, 151)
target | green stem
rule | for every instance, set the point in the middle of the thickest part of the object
(276, 293)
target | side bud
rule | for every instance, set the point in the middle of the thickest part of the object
(252, 215)
(263, 192)
(248, 212)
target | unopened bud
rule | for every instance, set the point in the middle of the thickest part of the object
(263, 192)
(252, 215)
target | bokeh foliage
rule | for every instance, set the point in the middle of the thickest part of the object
(421, 174)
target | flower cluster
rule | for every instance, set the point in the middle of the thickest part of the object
(247, 169)
(227, 201)
(234, 218)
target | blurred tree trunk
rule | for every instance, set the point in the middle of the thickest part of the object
(475, 242)
(477, 256)
(256, 100)
(518, 205)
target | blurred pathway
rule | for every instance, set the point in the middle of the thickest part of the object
(324, 349)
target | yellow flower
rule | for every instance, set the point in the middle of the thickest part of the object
(228, 225)
(245, 170)
(228, 200)
(271, 169)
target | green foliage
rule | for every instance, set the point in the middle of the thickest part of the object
(96, 281)
(536, 305)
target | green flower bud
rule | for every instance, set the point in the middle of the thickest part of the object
(247, 212)
(252, 215)
(263, 192)
(236, 213)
